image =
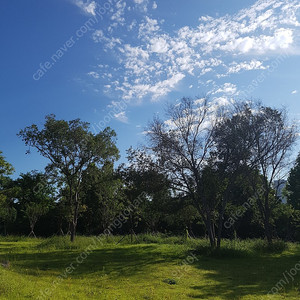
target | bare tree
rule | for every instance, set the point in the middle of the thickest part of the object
(181, 147)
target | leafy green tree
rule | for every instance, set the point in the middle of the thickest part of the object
(35, 197)
(295, 225)
(292, 193)
(7, 211)
(293, 185)
(102, 197)
(240, 208)
(5, 167)
(131, 190)
(144, 178)
(71, 147)
(34, 211)
(259, 138)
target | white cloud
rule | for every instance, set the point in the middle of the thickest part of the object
(142, 4)
(94, 74)
(157, 90)
(294, 92)
(164, 87)
(246, 65)
(98, 36)
(121, 117)
(88, 7)
(148, 27)
(281, 39)
(153, 61)
(245, 31)
(132, 25)
(222, 101)
(227, 88)
(135, 53)
(159, 45)
(118, 16)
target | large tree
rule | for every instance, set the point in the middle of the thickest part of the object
(71, 148)
(181, 147)
(259, 139)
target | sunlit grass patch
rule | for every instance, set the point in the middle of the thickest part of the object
(154, 267)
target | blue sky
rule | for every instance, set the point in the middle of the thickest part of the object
(117, 63)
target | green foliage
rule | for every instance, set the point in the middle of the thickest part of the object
(8, 213)
(193, 184)
(102, 197)
(257, 138)
(71, 148)
(35, 196)
(8, 193)
(35, 210)
(5, 167)
(70, 144)
(293, 185)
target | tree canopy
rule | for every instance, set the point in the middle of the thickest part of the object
(71, 148)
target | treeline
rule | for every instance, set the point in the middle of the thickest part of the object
(205, 170)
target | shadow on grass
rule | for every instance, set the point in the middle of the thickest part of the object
(240, 249)
(228, 273)
(238, 276)
(113, 261)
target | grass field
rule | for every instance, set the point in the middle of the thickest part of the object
(152, 268)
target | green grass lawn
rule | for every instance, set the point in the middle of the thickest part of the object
(153, 268)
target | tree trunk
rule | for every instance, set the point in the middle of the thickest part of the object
(220, 227)
(208, 224)
(60, 228)
(131, 229)
(32, 225)
(74, 224)
(73, 231)
(267, 217)
(32, 234)
(268, 229)
(75, 218)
